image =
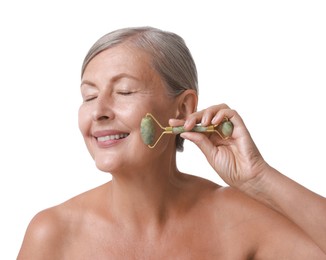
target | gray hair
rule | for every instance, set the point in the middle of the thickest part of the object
(171, 57)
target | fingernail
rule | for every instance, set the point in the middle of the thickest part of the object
(214, 120)
(186, 124)
(204, 121)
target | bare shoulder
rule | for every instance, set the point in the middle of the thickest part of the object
(268, 233)
(228, 217)
(43, 235)
(51, 229)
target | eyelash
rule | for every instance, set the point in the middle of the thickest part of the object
(89, 99)
(125, 93)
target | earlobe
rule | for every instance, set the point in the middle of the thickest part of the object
(188, 101)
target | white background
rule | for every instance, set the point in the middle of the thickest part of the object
(266, 59)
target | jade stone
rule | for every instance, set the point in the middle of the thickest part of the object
(180, 129)
(226, 128)
(147, 130)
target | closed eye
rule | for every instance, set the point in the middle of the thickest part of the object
(125, 93)
(87, 99)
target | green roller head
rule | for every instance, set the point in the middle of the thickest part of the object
(225, 129)
(147, 130)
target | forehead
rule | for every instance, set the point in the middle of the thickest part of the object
(120, 60)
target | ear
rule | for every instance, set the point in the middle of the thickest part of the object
(187, 103)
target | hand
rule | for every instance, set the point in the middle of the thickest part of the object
(236, 159)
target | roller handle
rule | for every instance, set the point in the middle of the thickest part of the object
(225, 129)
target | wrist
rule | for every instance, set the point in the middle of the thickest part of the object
(258, 186)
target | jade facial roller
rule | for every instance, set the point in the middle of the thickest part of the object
(148, 129)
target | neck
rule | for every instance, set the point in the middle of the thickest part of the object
(146, 196)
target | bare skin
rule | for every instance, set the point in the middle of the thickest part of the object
(240, 164)
(150, 210)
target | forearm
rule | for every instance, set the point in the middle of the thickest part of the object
(302, 206)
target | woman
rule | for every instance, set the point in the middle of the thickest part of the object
(150, 210)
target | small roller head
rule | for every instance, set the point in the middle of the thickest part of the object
(225, 129)
(147, 130)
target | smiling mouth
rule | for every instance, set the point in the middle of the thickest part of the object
(111, 137)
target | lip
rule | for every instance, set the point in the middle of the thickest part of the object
(108, 142)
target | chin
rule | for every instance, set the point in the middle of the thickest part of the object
(108, 168)
(114, 165)
(107, 165)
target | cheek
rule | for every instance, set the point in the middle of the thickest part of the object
(83, 119)
(84, 127)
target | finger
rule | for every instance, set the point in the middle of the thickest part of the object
(222, 114)
(176, 122)
(191, 121)
(204, 116)
(210, 113)
(238, 125)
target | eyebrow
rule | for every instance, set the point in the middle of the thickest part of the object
(123, 75)
(113, 80)
(87, 82)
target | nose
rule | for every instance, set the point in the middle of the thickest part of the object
(102, 109)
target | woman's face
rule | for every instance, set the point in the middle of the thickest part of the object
(119, 86)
